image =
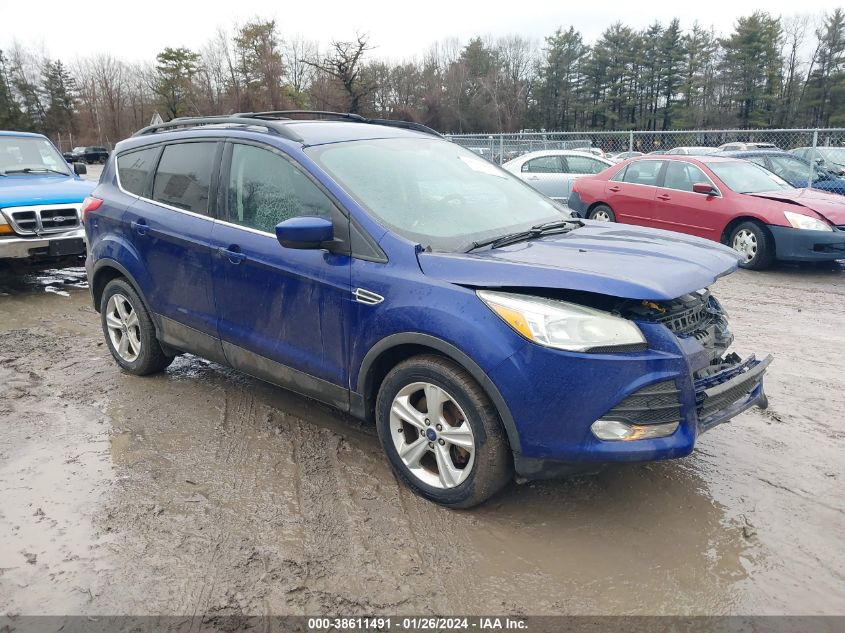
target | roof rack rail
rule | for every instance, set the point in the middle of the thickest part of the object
(189, 122)
(285, 114)
(349, 116)
(274, 122)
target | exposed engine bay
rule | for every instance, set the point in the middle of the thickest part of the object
(698, 315)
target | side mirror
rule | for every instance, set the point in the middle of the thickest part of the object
(307, 232)
(524, 167)
(704, 187)
(80, 169)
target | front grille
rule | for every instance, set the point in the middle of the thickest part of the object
(657, 403)
(42, 219)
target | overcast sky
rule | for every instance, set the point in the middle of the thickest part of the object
(139, 30)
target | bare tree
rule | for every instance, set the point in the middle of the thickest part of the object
(299, 56)
(344, 65)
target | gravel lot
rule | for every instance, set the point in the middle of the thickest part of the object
(201, 490)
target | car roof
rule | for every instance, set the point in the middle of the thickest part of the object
(740, 153)
(558, 152)
(28, 134)
(304, 132)
(704, 158)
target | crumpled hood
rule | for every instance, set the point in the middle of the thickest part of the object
(610, 259)
(21, 190)
(828, 205)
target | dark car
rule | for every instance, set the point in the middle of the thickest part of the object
(405, 279)
(722, 198)
(88, 154)
(794, 170)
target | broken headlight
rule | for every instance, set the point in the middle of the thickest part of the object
(562, 325)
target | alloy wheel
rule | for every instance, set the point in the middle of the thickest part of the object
(432, 435)
(124, 327)
(602, 216)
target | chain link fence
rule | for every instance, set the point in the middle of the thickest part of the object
(554, 174)
(501, 148)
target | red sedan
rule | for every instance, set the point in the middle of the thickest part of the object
(728, 200)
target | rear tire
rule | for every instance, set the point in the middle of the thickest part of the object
(129, 330)
(755, 244)
(602, 213)
(457, 455)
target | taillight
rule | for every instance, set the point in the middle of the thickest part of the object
(575, 187)
(90, 204)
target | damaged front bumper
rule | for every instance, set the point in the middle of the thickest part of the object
(725, 394)
(685, 384)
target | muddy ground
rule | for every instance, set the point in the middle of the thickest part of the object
(201, 490)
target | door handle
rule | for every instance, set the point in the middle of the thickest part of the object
(664, 196)
(614, 188)
(533, 178)
(140, 226)
(233, 254)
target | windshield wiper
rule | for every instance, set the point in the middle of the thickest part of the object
(557, 226)
(36, 170)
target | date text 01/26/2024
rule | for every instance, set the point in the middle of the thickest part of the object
(423, 623)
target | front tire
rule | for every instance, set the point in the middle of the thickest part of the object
(755, 244)
(129, 330)
(602, 213)
(441, 433)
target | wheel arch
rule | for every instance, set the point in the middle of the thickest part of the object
(735, 222)
(106, 270)
(597, 203)
(393, 349)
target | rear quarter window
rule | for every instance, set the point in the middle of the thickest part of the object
(134, 169)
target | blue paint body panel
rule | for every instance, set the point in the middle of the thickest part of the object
(297, 309)
(21, 190)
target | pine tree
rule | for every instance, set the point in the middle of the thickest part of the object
(11, 117)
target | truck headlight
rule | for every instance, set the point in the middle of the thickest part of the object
(562, 325)
(5, 227)
(801, 221)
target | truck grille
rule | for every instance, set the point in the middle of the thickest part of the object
(655, 404)
(43, 219)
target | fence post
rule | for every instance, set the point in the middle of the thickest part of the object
(501, 148)
(813, 159)
(631, 141)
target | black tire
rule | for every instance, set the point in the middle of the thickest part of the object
(602, 209)
(763, 245)
(492, 465)
(150, 358)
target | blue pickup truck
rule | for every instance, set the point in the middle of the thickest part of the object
(40, 200)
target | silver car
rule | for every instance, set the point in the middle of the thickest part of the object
(552, 172)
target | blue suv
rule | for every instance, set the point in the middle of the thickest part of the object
(377, 267)
(40, 200)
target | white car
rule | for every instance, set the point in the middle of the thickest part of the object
(552, 172)
(691, 151)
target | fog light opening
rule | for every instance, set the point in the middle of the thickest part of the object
(616, 430)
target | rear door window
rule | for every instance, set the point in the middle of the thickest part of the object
(543, 165)
(183, 177)
(643, 172)
(134, 168)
